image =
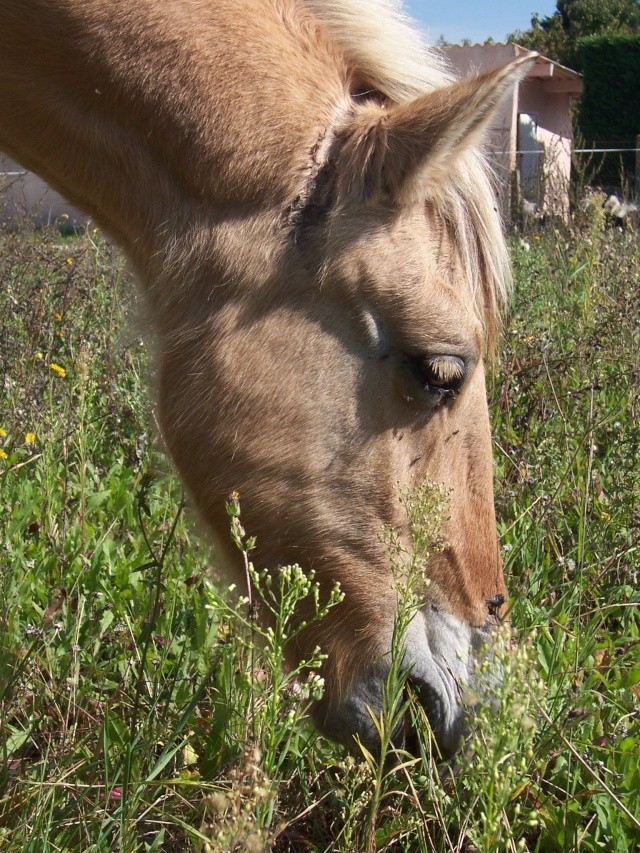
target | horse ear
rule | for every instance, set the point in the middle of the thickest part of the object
(385, 148)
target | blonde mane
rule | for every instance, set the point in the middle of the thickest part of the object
(384, 48)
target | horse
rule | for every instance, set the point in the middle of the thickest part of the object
(300, 188)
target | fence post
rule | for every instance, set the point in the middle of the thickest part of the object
(637, 182)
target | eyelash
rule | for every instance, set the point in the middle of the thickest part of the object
(424, 370)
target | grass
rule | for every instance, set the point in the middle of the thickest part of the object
(143, 708)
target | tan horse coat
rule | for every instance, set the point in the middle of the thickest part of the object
(296, 184)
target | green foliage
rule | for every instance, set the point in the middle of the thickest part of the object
(143, 707)
(131, 688)
(557, 35)
(609, 109)
(568, 441)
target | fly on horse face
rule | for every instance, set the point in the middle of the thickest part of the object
(299, 188)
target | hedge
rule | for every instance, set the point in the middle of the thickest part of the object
(609, 110)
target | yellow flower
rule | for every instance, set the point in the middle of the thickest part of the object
(3, 432)
(3, 455)
(69, 261)
(30, 438)
(57, 316)
(59, 371)
(38, 356)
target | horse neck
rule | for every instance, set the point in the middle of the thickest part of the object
(146, 113)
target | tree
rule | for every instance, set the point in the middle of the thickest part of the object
(557, 35)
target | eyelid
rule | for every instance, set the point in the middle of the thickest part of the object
(443, 373)
(465, 348)
(446, 369)
(392, 331)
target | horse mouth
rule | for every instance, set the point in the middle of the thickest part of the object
(441, 678)
(433, 724)
(442, 738)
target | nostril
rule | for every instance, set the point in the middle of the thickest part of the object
(494, 604)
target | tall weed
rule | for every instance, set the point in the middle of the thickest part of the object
(142, 707)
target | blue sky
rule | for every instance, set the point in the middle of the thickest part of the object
(475, 19)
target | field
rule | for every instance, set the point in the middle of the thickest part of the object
(141, 709)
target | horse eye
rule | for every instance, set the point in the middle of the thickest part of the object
(442, 374)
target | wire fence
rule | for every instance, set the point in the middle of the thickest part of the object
(591, 151)
(612, 166)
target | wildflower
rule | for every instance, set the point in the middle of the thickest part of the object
(59, 371)
(3, 455)
(3, 432)
(30, 438)
(189, 756)
(57, 316)
(38, 356)
(69, 261)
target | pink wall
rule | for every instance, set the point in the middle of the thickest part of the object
(553, 112)
(501, 135)
(545, 94)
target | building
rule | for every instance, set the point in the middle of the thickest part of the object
(530, 139)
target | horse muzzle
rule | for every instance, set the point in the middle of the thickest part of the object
(439, 656)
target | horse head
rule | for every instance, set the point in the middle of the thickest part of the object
(347, 370)
(322, 256)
